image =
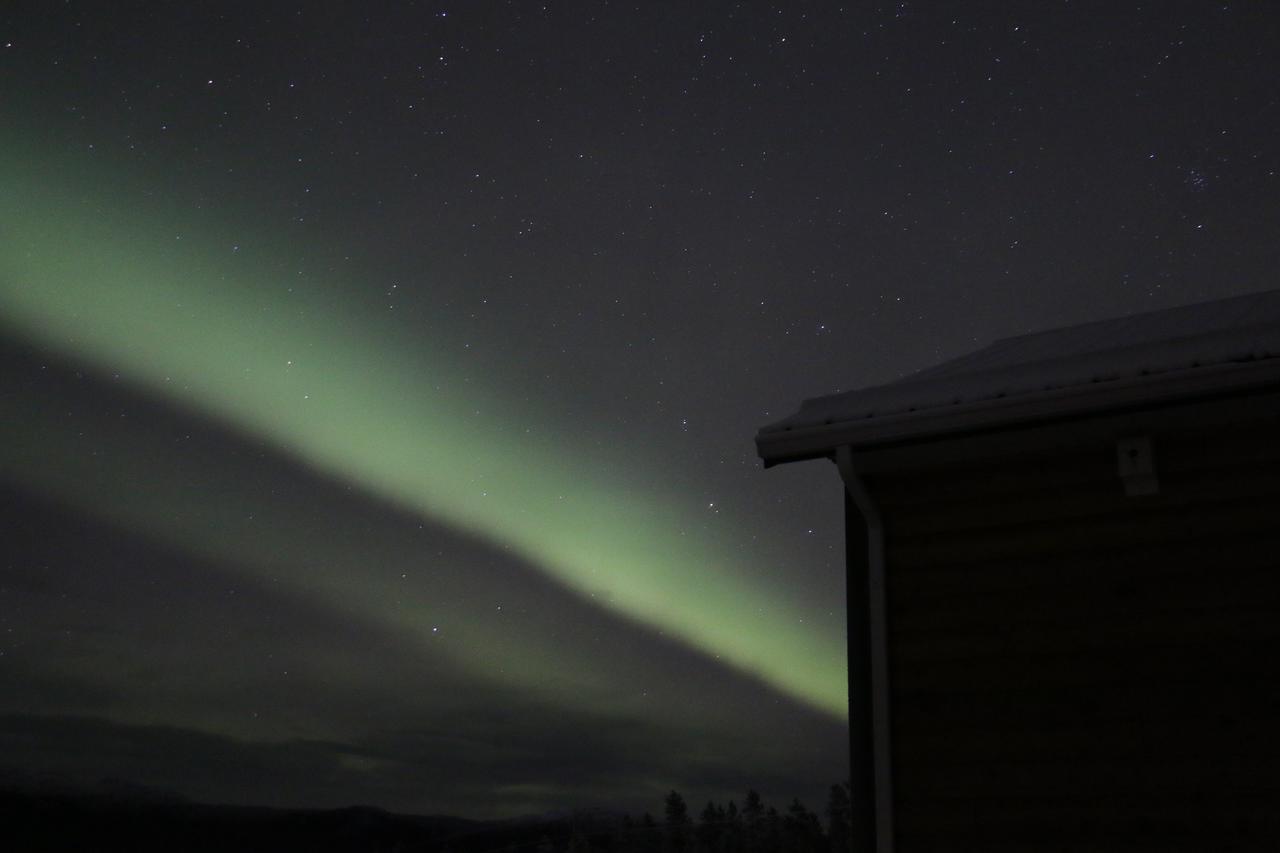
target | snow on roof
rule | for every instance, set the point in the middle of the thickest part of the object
(1089, 367)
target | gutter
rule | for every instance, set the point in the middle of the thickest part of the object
(793, 440)
(877, 626)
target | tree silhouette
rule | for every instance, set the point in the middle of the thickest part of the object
(753, 822)
(677, 823)
(731, 841)
(650, 837)
(840, 819)
(755, 828)
(803, 830)
(771, 835)
(626, 836)
(709, 828)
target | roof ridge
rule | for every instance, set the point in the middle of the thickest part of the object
(1069, 361)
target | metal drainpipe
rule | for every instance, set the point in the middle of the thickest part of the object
(878, 627)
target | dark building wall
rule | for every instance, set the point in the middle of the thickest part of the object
(1076, 669)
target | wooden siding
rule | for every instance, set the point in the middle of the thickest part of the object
(1076, 669)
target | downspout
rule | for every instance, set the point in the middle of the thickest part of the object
(877, 623)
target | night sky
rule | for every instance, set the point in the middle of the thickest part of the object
(378, 381)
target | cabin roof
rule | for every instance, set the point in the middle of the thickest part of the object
(1223, 346)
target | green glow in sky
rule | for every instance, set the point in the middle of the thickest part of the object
(330, 377)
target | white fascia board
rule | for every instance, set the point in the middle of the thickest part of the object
(776, 447)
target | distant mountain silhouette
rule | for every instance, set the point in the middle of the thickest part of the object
(47, 815)
(129, 791)
(123, 816)
(120, 815)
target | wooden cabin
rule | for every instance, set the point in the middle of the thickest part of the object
(1064, 587)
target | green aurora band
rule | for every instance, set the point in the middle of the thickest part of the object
(361, 397)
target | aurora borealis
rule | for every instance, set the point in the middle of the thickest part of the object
(364, 402)
(379, 385)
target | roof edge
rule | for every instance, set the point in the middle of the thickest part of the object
(777, 447)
